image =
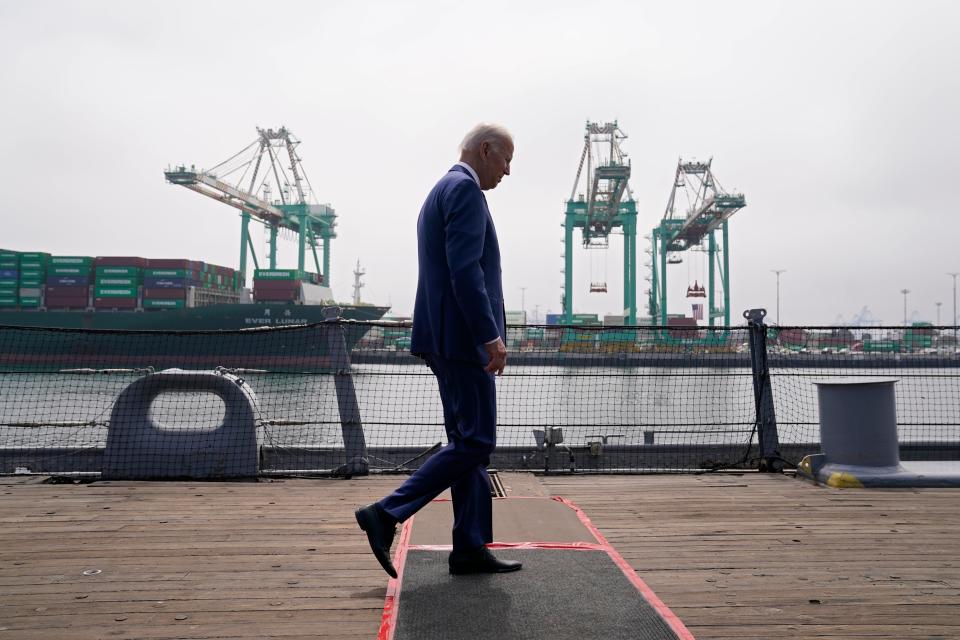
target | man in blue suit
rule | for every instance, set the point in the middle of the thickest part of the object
(459, 330)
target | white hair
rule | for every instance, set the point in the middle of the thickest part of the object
(484, 132)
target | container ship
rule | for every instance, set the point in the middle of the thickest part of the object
(169, 300)
(156, 296)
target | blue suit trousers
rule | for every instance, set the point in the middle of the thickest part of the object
(468, 394)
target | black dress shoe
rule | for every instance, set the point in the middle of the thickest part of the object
(480, 561)
(380, 528)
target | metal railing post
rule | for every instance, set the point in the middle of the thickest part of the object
(766, 418)
(354, 441)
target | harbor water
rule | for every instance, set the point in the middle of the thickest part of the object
(400, 406)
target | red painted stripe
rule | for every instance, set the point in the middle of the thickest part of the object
(567, 546)
(669, 616)
(388, 622)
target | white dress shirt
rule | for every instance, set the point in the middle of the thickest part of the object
(473, 174)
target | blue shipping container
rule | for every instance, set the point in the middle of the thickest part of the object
(8, 273)
(164, 283)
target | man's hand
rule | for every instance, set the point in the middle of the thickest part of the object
(497, 352)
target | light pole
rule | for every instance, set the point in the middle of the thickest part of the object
(523, 302)
(778, 272)
(954, 276)
(904, 292)
(938, 312)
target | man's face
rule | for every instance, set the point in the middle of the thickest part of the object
(495, 158)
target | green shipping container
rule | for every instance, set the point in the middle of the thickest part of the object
(29, 301)
(118, 271)
(32, 265)
(9, 255)
(114, 292)
(8, 284)
(34, 256)
(76, 261)
(7, 301)
(62, 270)
(9, 264)
(162, 304)
(117, 282)
(277, 274)
(31, 281)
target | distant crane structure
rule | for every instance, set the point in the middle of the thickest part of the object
(600, 202)
(247, 181)
(710, 207)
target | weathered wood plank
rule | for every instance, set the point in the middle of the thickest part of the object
(769, 556)
(735, 556)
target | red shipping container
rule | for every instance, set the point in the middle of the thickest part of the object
(115, 303)
(276, 285)
(60, 290)
(165, 294)
(119, 261)
(62, 298)
(66, 305)
(174, 263)
(276, 296)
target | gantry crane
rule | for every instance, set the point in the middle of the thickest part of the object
(601, 210)
(709, 209)
(295, 210)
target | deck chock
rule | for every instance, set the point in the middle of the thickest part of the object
(139, 448)
(573, 585)
(858, 435)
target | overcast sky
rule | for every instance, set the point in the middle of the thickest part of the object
(837, 120)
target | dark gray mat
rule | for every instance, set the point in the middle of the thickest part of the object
(558, 595)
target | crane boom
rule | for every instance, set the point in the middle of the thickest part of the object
(314, 223)
(709, 209)
(217, 189)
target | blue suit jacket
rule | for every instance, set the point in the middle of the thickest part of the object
(459, 304)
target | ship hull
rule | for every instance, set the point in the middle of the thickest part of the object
(232, 336)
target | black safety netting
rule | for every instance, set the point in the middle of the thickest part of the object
(349, 397)
(922, 363)
(346, 397)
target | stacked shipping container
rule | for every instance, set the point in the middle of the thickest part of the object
(68, 282)
(166, 282)
(33, 272)
(9, 275)
(37, 280)
(117, 282)
(281, 285)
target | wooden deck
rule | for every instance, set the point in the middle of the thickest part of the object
(735, 556)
